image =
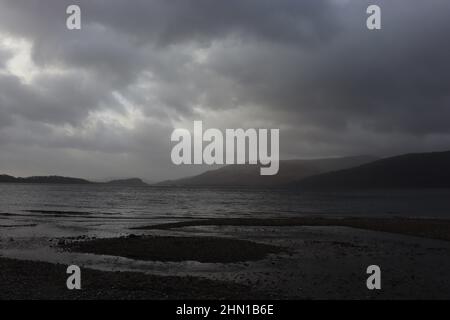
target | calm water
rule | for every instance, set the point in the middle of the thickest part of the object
(33, 217)
(128, 206)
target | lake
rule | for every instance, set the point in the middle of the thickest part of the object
(111, 207)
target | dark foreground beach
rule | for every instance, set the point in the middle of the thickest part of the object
(298, 258)
(40, 280)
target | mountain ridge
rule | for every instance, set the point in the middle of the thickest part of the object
(413, 170)
(55, 179)
(249, 175)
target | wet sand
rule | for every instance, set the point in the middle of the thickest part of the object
(299, 258)
(428, 228)
(201, 249)
(39, 280)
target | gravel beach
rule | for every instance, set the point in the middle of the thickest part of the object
(301, 258)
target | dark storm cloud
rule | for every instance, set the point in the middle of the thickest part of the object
(310, 68)
(115, 28)
(55, 99)
(394, 80)
(168, 22)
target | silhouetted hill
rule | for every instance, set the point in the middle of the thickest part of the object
(66, 180)
(136, 182)
(249, 175)
(420, 170)
(44, 179)
(5, 178)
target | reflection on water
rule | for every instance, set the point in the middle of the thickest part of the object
(109, 207)
(33, 216)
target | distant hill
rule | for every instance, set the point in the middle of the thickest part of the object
(67, 180)
(7, 179)
(419, 170)
(135, 182)
(44, 179)
(249, 175)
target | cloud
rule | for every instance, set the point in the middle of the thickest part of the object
(115, 89)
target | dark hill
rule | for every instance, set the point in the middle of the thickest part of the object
(420, 170)
(67, 180)
(7, 179)
(135, 182)
(249, 175)
(43, 179)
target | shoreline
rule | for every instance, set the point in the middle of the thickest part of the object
(176, 249)
(31, 280)
(242, 259)
(438, 229)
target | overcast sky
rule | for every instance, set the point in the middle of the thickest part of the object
(102, 102)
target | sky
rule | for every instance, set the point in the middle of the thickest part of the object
(102, 102)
